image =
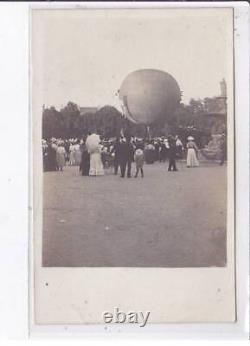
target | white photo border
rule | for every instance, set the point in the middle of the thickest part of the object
(15, 215)
(222, 328)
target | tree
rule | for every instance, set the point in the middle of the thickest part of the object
(52, 124)
(108, 121)
(71, 114)
(196, 106)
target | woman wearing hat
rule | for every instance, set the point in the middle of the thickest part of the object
(60, 156)
(94, 148)
(192, 151)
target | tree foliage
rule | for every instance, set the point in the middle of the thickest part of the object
(109, 122)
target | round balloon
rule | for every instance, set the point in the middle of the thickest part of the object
(149, 95)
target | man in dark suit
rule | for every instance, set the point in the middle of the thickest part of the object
(126, 154)
(172, 154)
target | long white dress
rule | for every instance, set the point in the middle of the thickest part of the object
(60, 157)
(77, 154)
(94, 149)
(71, 155)
(96, 166)
(191, 155)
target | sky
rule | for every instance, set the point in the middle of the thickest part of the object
(83, 56)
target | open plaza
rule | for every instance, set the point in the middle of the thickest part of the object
(166, 219)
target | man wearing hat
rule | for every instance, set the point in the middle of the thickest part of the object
(126, 154)
(172, 154)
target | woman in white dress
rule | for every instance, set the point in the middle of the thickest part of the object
(77, 154)
(71, 154)
(94, 149)
(60, 157)
(192, 151)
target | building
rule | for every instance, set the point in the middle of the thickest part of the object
(216, 110)
(85, 110)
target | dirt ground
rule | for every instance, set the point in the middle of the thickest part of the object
(166, 219)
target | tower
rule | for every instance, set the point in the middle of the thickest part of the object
(223, 88)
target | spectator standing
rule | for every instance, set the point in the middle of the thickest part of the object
(172, 154)
(126, 157)
(139, 161)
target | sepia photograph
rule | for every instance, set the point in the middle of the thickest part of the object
(134, 144)
(134, 137)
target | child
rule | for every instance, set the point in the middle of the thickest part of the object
(139, 161)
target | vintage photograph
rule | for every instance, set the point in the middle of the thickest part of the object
(134, 138)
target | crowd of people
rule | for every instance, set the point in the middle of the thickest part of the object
(93, 155)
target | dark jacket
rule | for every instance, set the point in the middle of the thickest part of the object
(126, 152)
(116, 150)
(172, 149)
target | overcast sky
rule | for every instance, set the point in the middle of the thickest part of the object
(83, 56)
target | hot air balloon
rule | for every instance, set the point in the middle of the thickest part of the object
(148, 96)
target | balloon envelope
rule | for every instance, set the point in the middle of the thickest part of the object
(149, 95)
